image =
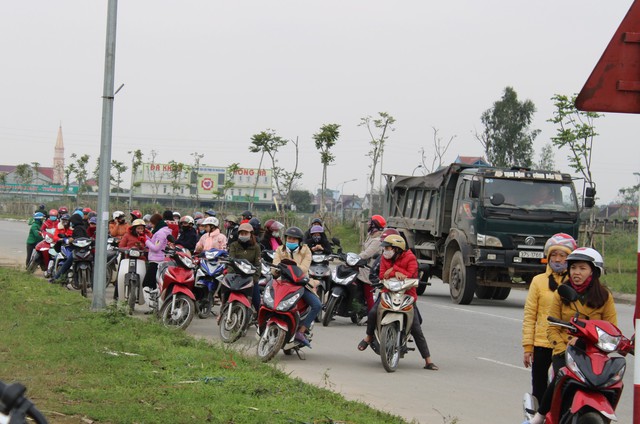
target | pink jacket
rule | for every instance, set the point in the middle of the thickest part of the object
(212, 240)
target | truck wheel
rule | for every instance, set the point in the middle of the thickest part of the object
(502, 293)
(485, 292)
(462, 280)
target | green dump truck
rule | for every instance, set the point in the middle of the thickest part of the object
(482, 230)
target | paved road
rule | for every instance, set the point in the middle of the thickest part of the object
(477, 347)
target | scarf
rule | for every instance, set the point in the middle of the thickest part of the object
(582, 287)
(159, 225)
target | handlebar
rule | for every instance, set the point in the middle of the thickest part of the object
(13, 403)
(561, 323)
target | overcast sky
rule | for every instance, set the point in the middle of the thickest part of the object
(204, 76)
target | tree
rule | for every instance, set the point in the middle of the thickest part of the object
(177, 172)
(80, 172)
(36, 171)
(576, 131)
(267, 142)
(547, 158)
(302, 199)
(119, 168)
(136, 162)
(382, 124)
(507, 139)
(324, 141)
(288, 178)
(24, 174)
(195, 173)
(228, 183)
(440, 149)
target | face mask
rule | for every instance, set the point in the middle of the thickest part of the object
(558, 267)
(53, 218)
(316, 239)
(388, 254)
(275, 234)
(292, 246)
(244, 239)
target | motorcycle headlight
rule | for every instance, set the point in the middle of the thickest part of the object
(393, 285)
(267, 299)
(318, 258)
(287, 304)
(488, 241)
(352, 259)
(245, 267)
(134, 253)
(187, 261)
(573, 366)
(607, 342)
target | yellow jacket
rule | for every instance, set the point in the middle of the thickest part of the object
(302, 256)
(536, 310)
(558, 336)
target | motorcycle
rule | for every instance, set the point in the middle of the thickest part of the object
(113, 258)
(40, 255)
(131, 272)
(210, 271)
(346, 298)
(320, 272)
(394, 320)
(588, 388)
(265, 269)
(237, 311)
(16, 407)
(82, 269)
(175, 303)
(281, 312)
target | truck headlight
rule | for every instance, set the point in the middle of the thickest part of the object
(488, 241)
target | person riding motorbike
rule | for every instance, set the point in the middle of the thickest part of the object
(370, 251)
(318, 241)
(246, 216)
(34, 236)
(231, 228)
(171, 223)
(79, 229)
(246, 247)
(51, 223)
(156, 245)
(271, 238)
(188, 236)
(135, 214)
(255, 223)
(212, 238)
(93, 227)
(537, 349)
(210, 212)
(118, 226)
(62, 210)
(594, 302)
(136, 236)
(399, 262)
(314, 222)
(293, 249)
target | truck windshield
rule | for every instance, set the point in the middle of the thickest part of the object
(529, 194)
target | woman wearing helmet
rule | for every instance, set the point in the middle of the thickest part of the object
(135, 214)
(188, 236)
(212, 238)
(293, 249)
(537, 349)
(399, 262)
(118, 226)
(50, 225)
(231, 228)
(246, 247)
(136, 236)
(34, 236)
(586, 266)
(317, 241)
(271, 238)
(370, 251)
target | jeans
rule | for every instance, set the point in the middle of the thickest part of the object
(312, 300)
(66, 266)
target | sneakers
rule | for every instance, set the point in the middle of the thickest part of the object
(300, 337)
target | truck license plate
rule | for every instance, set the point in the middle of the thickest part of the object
(528, 254)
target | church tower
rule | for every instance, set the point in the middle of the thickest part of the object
(58, 160)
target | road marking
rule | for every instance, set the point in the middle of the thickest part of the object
(477, 312)
(504, 363)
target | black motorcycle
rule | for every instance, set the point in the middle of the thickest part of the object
(346, 297)
(82, 278)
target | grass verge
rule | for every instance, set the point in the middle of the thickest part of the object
(83, 366)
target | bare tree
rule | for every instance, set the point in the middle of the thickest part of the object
(195, 173)
(382, 124)
(136, 162)
(119, 168)
(229, 183)
(177, 172)
(439, 148)
(267, 142)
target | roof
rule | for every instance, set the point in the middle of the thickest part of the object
(44, 170)
(472, 160)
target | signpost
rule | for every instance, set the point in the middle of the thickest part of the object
(614, 86)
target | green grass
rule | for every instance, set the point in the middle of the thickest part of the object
(620, 258)
(349, 237)
(76, 365)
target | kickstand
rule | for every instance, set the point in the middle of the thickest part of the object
(300, 354)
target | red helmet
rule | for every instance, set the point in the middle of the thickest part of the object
(86, 211)
(53, 212)
(273, 226)
(378, 221)
(62, 210)
(136, 214)
(387, 232)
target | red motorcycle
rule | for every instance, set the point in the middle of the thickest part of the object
(176, 280)
(281, 312)
(40, 255)
(588, 389)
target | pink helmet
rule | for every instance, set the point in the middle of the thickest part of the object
(560, 241)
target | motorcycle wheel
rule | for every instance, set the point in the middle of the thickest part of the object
(271, 341)
(320, 294)
(204, 306)
(330, 311)
(180, 316)
(592, 417)
(33, 262)
(83, 281)
(389, 350)
(232, 324)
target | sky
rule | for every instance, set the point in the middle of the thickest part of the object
(204, 76)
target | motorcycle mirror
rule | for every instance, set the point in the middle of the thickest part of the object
(336, 241)
(567, 292)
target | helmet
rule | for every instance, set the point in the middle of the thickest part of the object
(62, 210)
(247, 215)
(231, 218)
(316, 221)
(38, 216)
(76, 218)
(394, 240)
(245, 227)
(118, 214)
(94, 220)
(210, 220)
(587, 254)
(167, 215)
(294, 232)
(53, 212)
(255, 223)
(273, 225)
(78, 212)
(176, 214)
(316, 229)
(136, 214)
(198, 215)
(42, 208)
(387, 232)
(86, 211)
(92, 214)
(65, 217)
(210, 212)
(146, 218)
(137, 222)
(378, 221)
(186, 220)
(560, 241)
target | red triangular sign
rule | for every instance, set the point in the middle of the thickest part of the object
(614, 84)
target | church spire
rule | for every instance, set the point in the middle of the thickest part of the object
(58, 159)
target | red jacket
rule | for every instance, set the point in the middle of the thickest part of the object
(174, 227)
(130, 239)
(62, 233)
(405, 263)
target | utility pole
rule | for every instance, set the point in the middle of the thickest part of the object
(100, 269)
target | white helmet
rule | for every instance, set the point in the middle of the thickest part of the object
(211, 220)
(587, 254)
(118, 214)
